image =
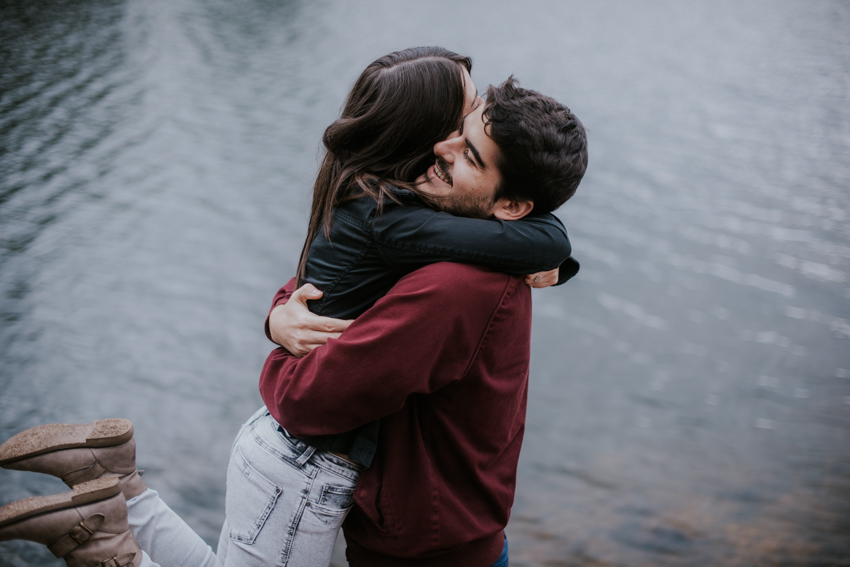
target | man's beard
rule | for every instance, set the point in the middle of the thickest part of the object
(465, 205)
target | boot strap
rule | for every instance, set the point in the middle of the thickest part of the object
(124, 560)
(90, 473)
(78, 535)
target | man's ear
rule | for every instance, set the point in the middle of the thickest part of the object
(511, 209)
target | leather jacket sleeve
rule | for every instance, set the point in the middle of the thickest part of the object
(412, 236)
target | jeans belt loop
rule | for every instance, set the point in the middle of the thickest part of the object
(305, 456)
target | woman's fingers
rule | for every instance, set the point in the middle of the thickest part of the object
(542, 279)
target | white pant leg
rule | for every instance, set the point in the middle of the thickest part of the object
(164, 536)
(147, 561)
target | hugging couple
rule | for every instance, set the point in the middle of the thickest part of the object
(396, 401)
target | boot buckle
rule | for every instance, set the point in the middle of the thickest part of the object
(119, 561)
(78, 535)
(81, 533)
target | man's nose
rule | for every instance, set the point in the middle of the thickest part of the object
(447, 147)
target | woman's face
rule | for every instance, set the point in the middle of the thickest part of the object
(471, 100)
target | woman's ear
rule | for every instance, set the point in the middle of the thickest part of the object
(511, 209)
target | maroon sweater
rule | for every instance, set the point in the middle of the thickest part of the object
(443, 360)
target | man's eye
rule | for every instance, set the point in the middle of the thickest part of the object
(466, 155)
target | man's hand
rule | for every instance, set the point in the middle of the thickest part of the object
(299, 331)
(542, 279)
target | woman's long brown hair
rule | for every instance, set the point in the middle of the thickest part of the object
(401, 105)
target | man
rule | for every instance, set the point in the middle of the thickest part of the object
(442, 359)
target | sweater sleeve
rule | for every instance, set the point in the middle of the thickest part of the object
(388, 353)
(411, 236)
(282, 296)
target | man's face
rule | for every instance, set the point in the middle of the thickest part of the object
(464, 177)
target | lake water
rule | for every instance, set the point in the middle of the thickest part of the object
(690, 389)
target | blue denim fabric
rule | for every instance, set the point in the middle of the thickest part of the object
(285, 501)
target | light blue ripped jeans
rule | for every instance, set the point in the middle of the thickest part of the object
(284, 505)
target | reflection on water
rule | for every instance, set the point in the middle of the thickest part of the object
(690, 395)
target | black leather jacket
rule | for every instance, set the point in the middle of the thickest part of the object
(367, 252)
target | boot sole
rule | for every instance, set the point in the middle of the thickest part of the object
(85, 493)
(57, 436)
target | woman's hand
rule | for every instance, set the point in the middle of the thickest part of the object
(542, 279)
(298, 330)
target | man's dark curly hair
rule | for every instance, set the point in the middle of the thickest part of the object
(543, 146)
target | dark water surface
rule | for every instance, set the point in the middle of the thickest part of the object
(690, 392)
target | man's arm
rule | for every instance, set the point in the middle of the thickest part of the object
(417, 339)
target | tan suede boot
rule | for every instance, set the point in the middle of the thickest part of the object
(86, 527)
(77, 453)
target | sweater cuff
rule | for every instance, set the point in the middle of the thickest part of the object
(280, 298)
(567, 270)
